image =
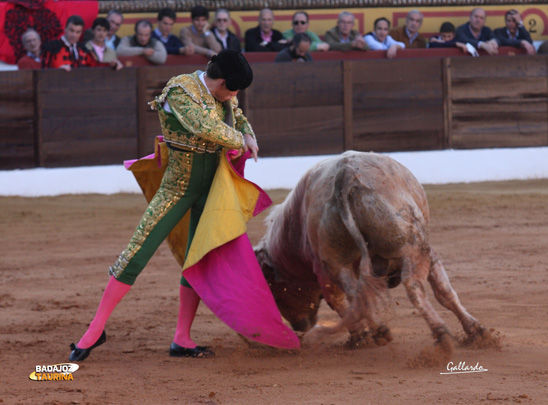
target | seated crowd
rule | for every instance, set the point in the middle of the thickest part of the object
(100, 46)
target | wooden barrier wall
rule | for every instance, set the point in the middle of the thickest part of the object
(52, 118)
(498, 104)
(18, 148)
(396, 107)
(86, 117)
(295, 110)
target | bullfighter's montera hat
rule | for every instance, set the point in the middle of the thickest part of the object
(235, 68)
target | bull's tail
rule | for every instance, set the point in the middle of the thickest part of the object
(369, 291)
(364, 291)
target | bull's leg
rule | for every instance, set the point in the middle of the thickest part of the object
(332, 294)
(357, 309)
(365, 302)
(414, 274)
(352, 271)
(446, 296)
(335, 297)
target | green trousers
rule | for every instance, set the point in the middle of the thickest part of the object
(185, 186)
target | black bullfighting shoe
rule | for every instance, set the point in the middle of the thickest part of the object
(82, 354)
(198, 352)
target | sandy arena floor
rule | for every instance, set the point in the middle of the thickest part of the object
(492, 238)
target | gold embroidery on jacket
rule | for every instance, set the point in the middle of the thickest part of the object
(173, 187)
(198, 114)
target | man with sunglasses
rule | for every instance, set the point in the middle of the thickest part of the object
(300, 24)
(221, 32)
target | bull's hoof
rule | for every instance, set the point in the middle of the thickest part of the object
(444, 340)
(445, 343)
(483, 338)
(357, 341)
(383, 336)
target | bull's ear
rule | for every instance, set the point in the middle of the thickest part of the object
(266, 265)
(262, 256)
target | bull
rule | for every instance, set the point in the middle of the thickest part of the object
(353, 227)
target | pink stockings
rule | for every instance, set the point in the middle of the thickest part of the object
(115, 291)
(188, 305)
(113, 294)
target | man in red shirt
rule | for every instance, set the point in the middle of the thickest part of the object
(32, 43)
(65, 53)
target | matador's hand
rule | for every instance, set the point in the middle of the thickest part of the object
(251, 144)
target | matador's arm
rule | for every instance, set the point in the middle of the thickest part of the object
(240, 121)
(204, 123)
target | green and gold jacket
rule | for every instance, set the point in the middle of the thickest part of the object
(197, 121)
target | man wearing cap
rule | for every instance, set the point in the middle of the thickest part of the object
(199, 116)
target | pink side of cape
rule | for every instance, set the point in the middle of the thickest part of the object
(243, 299)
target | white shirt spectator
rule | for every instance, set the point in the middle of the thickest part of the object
(374, 45)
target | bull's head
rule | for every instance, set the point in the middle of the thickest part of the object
(298, 304)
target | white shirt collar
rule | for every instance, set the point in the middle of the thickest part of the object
(202, 79)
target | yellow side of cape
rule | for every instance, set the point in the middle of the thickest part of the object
(230, 204)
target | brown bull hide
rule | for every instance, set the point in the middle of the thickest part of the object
(354, 225)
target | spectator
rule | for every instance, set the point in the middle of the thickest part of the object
(66, 53)
(477, 34)
(515, 34)
(103, 55)
(173, 45)
(264, 38)
(298, 51)
(543, 48)
(32, 44)
(115, 19)
(379, 39)
(143, 44)
(409, 33)
(447, 38)
(300, 24)
(343, 37)
(198, 34)
(222, 34)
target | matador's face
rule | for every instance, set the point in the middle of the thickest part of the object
(221, 93)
